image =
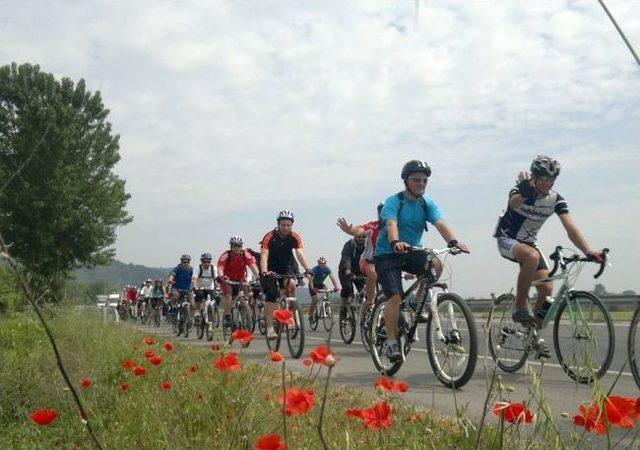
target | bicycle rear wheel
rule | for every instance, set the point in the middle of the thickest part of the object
(634, 343)
(507, 339)
(378, 340)
(453, 360)
(365, 326)
(295, 332)
(348, 326)
(583, 337)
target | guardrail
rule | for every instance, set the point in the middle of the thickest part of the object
(612, 302)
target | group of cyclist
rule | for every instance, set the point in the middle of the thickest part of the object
(379, 252)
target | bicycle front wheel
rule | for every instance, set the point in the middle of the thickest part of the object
(327, 317)
(507, 339)
(365, 324)
(583, 337)
(453, 354)
(295, 333)
(348, 326)
(634, 343)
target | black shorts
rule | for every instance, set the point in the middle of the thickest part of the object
(201, 295)
(271, 286)
(347, 284)
(390, 267)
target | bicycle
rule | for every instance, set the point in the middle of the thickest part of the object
(295, 332)
(209, 316)
(156, 310)
(183, 315)
(256, 305)
(451, 334)
(573, 318)
(240, 311)
(324, 306)
(347, 321)
(634, 338)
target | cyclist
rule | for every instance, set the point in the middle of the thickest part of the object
(232, 265)
(256, 291)
(370, 230)
(531, 202)
(180, 282)
(158, 295)
(204, 280)
(348, 267)
(276, 258)
(405, 216)
(144, 296)
(318, 275)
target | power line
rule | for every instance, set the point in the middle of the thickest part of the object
(624, 38)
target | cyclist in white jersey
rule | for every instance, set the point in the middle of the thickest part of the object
(204, 277)
(531, 202)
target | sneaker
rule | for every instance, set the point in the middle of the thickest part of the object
(523, 317)
(542, 351)
(271, 334)
(393, 352)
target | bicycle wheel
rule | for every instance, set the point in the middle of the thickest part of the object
(634, 342)
(188, 322)
(274, 344)
(453, 359)
(208, 328)
(180, 323)
(348, 326)
(254, 317)
(365, 324)
(583, 337)
(262, 322)
(378, 339)
(200, 326)
(313, 318)
(156, 317)
(215, 322)
(507, 339)
(295, 332)
(327, 317)
(244, 317)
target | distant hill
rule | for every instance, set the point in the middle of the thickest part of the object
(118, 274)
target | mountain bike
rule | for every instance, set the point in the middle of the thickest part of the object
(633, 343)
(583, 333)
(295, 332)
(212, 313)
(322, 311)
(156, 310)
(256, 305)
(183, 314)
(347, 319)
(240, 311)
(452, 345)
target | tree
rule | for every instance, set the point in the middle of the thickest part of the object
(599, 289)
(60, 202)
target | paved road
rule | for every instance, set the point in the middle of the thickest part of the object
(355, 368)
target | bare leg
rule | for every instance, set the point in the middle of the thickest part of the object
(370, 287)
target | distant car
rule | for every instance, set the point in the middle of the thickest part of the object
(114, 299)
(101, 300)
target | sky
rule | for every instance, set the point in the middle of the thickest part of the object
(230, 111)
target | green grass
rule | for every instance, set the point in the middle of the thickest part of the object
(235, 410)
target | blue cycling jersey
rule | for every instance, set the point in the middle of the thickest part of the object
(182, 278)
(320, 274)
(410, 223)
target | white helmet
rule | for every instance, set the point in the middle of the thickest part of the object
(322, 260)
(285, 215)
(236, 240)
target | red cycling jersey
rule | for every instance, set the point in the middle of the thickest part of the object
(234, 266)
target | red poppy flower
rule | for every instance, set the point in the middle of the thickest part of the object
(622, 412)
(215, 347)
(276, 357)
(139, 371)
(124, 386)
(165, 385)
(156, 360)
(129, 364)
(44, 416)
(270, 442)
(244, 336)
(590, 418)
(149, 354)
(513, 412)
(322, 355)
(168, 346)
(228, 363)
(149, 341)
(284, 316)
(388, 385)
(307, 362)
(297, 401)
(85, 383)
(193, 369)
(377, 416)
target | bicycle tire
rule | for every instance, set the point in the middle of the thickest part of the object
(295, 333)
(327, 317)
(378, 339)
(262, 321)
(244, 317)
(314, 319)
(634, 335)
(348, 326)
(455, 348)
(586, 374)
(365, 324)
(208, 328)
(200, 328)
(274, 344)
(508, 343)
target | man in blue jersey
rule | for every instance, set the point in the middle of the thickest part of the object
(531, 203)
(405, 216)
(318, 275)
(180, 282)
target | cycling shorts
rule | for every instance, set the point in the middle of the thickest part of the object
(506, 247)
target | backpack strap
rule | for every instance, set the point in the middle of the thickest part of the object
(422, 201)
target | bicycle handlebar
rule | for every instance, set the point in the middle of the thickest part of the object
(559, 260)
(237, 283)
(435, 251)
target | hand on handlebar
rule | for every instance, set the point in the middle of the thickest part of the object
(596, 255)
(336, 289)
(401, 247)
(462, 247)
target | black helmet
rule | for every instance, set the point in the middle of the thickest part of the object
(185, 258)
(414, 166)
(205, 256)
(545, 166)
